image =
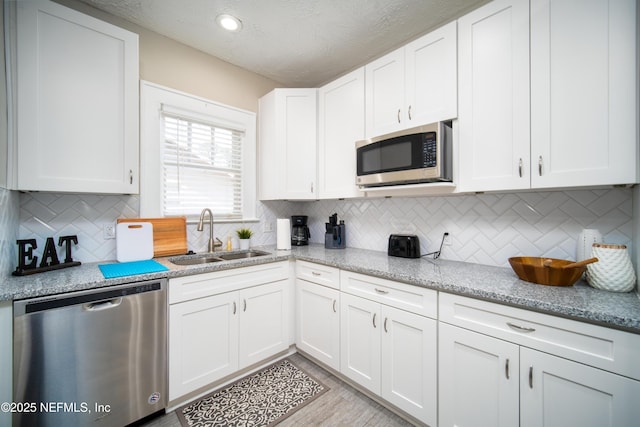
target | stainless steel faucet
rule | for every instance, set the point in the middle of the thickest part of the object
(212, 244)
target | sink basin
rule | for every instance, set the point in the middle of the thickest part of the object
(196, 260)
(209, 258)
(242, 255)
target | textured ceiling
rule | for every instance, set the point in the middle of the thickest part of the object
(298, 43)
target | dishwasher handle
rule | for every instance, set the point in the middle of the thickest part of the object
(102, 305)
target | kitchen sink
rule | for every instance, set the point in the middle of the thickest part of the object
(209, 258)
(196, 260)
(242, 255)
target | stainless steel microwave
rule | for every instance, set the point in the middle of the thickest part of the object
(416, 155)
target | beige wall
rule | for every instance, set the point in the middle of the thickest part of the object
(175, 65)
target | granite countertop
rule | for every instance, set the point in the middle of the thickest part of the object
(497, 284)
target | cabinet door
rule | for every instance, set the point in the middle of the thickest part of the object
(360, 326)
(203, 342)
(583, 92)
(409, 363)
(263, 322)
(493, 110)
(384, 80)
(478, 379)
(318, 320)
(431, 77)
(341, 124)
(556, 392)
(77, 97)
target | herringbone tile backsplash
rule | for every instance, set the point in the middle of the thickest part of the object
(485, 229)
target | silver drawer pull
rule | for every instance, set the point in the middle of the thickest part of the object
(334, 306)
(234, 307)
(385, 324)
(530, 376)
(520, 328)
(374, 320)
(315, 273)
(506, 369)
(381, 291)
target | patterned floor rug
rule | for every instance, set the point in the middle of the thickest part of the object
(261, 399)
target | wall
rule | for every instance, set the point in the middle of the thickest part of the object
(45, 215)
(9, 223)
(484, 229)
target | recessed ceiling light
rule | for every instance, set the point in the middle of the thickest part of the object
(229, 22)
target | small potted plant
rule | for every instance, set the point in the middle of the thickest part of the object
(244, 235)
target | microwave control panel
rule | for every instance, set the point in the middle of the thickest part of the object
(429, 150)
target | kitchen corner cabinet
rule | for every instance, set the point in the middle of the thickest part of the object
(340, 124)
(387, 344)
(503, 366)
(318, 312)
(584, 83)
(77, 102)
(225, 321)
(493, 110)
(287, 145)
(413, 85)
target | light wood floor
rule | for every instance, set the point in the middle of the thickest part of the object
(342, 405)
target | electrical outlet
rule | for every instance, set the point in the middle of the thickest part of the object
(447, 239)
(109, 231)
(267, 227)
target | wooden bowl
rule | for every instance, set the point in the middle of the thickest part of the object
(533, 269)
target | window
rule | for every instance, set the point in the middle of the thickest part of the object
(195, 154)
(201, 166)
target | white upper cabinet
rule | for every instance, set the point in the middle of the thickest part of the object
(77, 102)
(560, 112)
(340, 125)
(583, 93)
(413, 85)
(287, 144)
(493, 112)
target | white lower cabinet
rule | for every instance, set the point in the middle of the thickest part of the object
(489, 381)
(318, 320)
(389, 351)
(211, 337)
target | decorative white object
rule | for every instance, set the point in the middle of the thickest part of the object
(586, 239)
(614, 271)
(244, 243)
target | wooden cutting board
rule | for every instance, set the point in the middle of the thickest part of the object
(169, 234)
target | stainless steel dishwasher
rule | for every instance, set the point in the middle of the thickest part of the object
(90, 358)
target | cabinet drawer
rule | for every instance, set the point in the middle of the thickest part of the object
(318, 273)
(202, 285)
(609, 349)
(405, 297)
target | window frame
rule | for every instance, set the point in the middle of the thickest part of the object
(152, 99)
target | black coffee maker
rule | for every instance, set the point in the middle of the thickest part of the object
(299, 231)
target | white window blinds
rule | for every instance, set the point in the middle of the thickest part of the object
(202, 167)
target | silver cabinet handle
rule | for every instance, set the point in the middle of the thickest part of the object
(245, 305)
(385, 324)
(381, 291)
(130, 176)
(234, 307)
(398, 115)
(374, 320)
(315, 273)
(530, 376)
(520, 328)
(540, 165)
(520, 167)
(506, 369)
(312, 187)
(334, 306)
(409, 112)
